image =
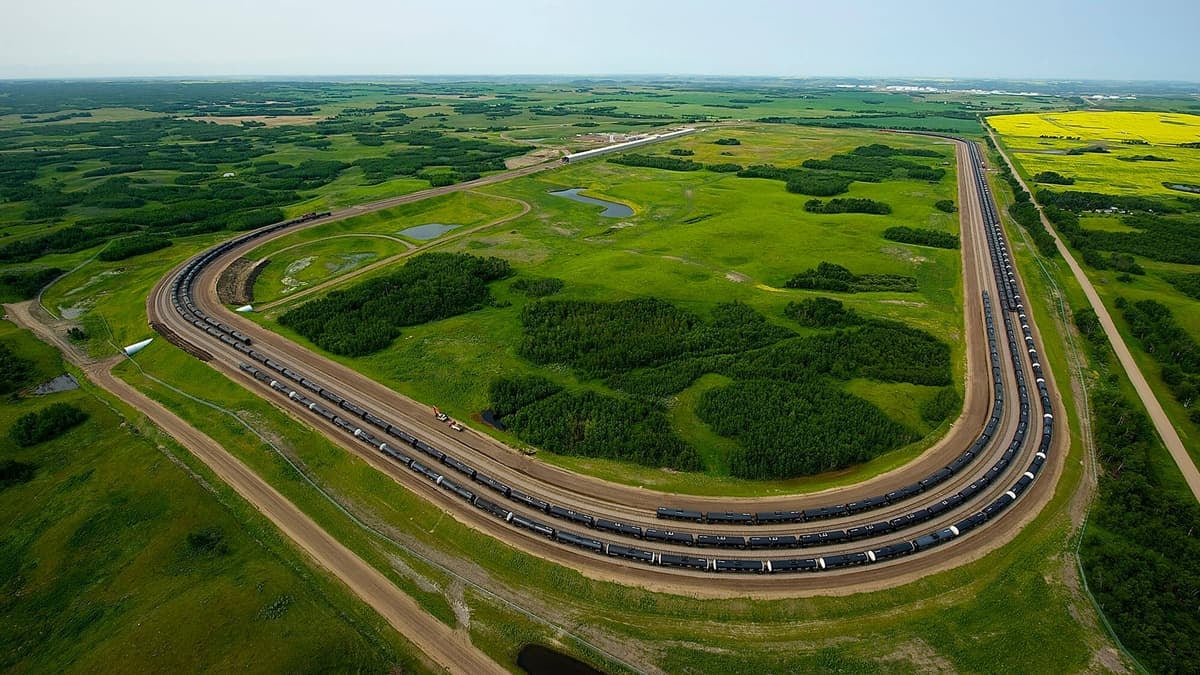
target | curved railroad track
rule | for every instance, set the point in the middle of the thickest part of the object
(971, 492)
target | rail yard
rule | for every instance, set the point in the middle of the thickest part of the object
(970, 493)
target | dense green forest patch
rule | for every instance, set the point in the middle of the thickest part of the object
(366, 317)
(25, 284)
(650, 350)
(590, 424)
(797, 428)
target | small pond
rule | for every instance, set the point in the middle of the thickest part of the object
(613, 210)
(541, 660)
(427, 231)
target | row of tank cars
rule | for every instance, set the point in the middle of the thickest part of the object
(395, 443)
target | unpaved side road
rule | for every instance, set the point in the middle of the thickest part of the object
(444, 646)
(1158, 416)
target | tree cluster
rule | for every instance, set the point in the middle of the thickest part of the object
(589, 424)
(1139, 551)
(24, 285)
(603, 338)
(921, 237)
(16, 372)
(1155, 328)
(656, 162)
(797, 428)
(848, 205)
(365, 318)
(652, 350)
(945, 205)
(828, 276)
(46, 424)
(822, 312)
(1053, 178)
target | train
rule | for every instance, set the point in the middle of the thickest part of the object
(429, 461)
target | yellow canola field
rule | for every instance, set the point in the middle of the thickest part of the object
(1156, 128)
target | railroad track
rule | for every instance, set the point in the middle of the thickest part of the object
(969, 493)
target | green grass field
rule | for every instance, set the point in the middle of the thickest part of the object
(988, 616)
(100, 576)
(695, 239)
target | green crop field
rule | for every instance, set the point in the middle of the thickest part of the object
(1042, 143)
(1157, 258)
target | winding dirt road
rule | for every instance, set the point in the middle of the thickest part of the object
(1162, 423)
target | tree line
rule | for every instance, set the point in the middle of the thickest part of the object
(1139, 551)
(829, 276)
(921, 237)
(848, 205)
(1161, 336)
(656, 162)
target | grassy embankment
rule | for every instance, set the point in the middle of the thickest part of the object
(122, 554)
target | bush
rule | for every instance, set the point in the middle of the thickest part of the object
(1053, 178)
(727, 141)
(15, 372)
(822, 313)
(680, 152)
(15, 473)
(46, 424)
(727, 167)
(921, 237)
(946, 205)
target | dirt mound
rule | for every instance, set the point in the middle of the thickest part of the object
(236, 285)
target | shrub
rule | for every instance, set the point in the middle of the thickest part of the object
(46, 424)
(921, 237)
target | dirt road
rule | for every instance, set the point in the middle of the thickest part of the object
(444, 646)
(1162, 423)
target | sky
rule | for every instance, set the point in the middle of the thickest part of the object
(1016, 39)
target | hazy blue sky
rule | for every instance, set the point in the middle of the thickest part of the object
(1099, 39)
